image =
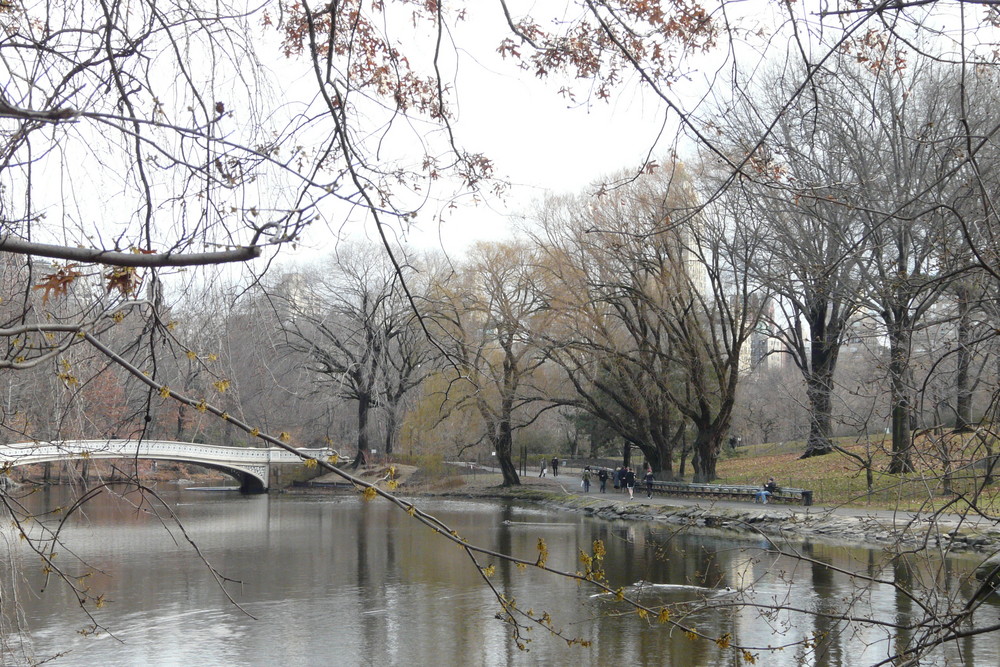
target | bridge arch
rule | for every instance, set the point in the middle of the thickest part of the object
(250, 466)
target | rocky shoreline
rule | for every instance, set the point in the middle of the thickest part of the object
(904, 531)
(976, 536)
(901, 531)
(793, 523)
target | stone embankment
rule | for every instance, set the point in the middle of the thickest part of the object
(898, 531)
(860, 526)
(868, 527)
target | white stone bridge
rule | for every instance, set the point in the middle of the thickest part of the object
(251, 466)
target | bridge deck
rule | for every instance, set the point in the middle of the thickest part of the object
(242, 462)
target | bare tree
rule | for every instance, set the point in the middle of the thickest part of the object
(658, 305)
(812, 245)
(349, 318)
(157, 119)
(487, 317)
(606, 285)
(905, 161)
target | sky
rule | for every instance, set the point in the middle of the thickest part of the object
(539, 141)
(545, 143)
(542, 144)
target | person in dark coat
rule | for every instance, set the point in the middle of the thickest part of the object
(617, 477)
(555, 466)
(629, 482)
(648, 478)
(602, 475)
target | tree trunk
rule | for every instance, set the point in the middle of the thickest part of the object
(659, 453)
(504, 444)
(947, 487)
(991, 460)
(819, 385)
(653, 459)
(826, 327)
(390, 429)
(899, 347)
(706, 455)
(666, 463)
(180, 424)
(364, 406)
(685, 450)
(595, 439)
(963, 394)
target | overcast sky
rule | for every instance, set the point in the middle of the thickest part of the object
(538, 140)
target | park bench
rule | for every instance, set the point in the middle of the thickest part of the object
(731, 491)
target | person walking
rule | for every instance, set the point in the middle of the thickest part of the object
(586, 479)
(630, 483)
(648, 478)
(542, 473)
(602, 475)
(617, 479)
(555, 466)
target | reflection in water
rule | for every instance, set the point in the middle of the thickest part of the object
(345, 582)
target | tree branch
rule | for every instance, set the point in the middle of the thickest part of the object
(8, 110)
(115, 258)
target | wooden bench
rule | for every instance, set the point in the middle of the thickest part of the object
(729, 491)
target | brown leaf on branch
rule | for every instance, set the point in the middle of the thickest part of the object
(57, 283)
(123, 279)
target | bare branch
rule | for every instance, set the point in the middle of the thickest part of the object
(136, 259)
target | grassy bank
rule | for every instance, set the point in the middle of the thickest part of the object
(839, 479)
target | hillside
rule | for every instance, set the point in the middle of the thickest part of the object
(840, 479)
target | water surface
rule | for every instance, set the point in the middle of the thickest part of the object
(334, 580)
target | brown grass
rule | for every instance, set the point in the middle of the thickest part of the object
(838, 479)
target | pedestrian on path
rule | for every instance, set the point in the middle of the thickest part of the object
(618, 477)
(602, 475)
(630, 482)
(542, 473)
(586, 479)
(555, 466)
(648, 478)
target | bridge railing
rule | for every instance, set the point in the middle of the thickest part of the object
(245, 463)
(29, 452)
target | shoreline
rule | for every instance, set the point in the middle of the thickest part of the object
(789, 523)
(795, 523)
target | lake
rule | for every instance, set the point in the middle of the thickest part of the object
(307, 580)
